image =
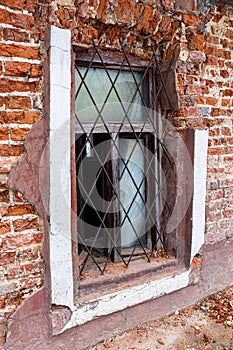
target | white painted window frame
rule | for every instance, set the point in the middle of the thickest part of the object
(62, 291)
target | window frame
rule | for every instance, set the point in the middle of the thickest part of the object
(63, 264)
(128, 129)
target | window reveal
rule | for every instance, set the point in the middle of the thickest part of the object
(119, 177)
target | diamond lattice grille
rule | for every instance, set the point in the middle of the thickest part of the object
(118, 160)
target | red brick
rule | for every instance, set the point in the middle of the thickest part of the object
(3, 133)
(13, 242)
(7, 258)
(16, 210)
(214, 132)
(191, 20)
(197, 57)
(215, 112)
(229, 34)
(11, 151)
(211, 101)
(16, 20)
(4, 196)
(226, 102)
(7, 85)
(17, 50)
(19, 134)
(20, 69)
(212, 60)
(16, 4)
(15, 35)
(2, 301)
(25, 224)
(25, 117)
(210, 49)
(126, 12)
(200, 100)
(6, 165)
(185, 4)
(226, 131)
(226, 54)
(31, 253)
(148, 23)
(227, 92)
(30, 5)
(5, 227)
(36, 71)
(18, 102)
(214, 40)
(168, 5)
(193, 90)
(18, 197)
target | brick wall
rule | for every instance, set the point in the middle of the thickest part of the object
(20, 106)
(205, 82)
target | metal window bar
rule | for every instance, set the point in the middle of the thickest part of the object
(137, 135)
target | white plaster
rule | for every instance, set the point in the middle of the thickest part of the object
(199, 190)
(60, 179)
(60, 199)
(120, 300)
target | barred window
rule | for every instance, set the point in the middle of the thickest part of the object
(118, 160)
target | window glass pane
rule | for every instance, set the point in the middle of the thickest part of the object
(132, 191)
(100, 93)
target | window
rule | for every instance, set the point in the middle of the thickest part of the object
(62, 233)
(118, 160)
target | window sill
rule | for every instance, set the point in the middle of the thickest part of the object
(120, 277)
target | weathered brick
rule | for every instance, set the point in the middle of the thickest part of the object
(5, 227)
(31, 253)
(6, 165)
(19, 134)
(18, 197)
(212, 60)
(185, 4)
(193, 90)
(149, 20)
(36, 71)
(7, 85)
(190, 20)
(226, 54)
(17, 50)
(16, 4)
(17, 20)
(15, 35)
(25, 224)
(226, 131)
(227, 92)
(30, 5)
(3, 133)
(7, 258)
(11, 151)
(15, 210)
(25, 117)
(17, 241)
(197, 57)
(4, 196)
(229, 34)
(18, 102)
(168, 5)
(211, 101)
